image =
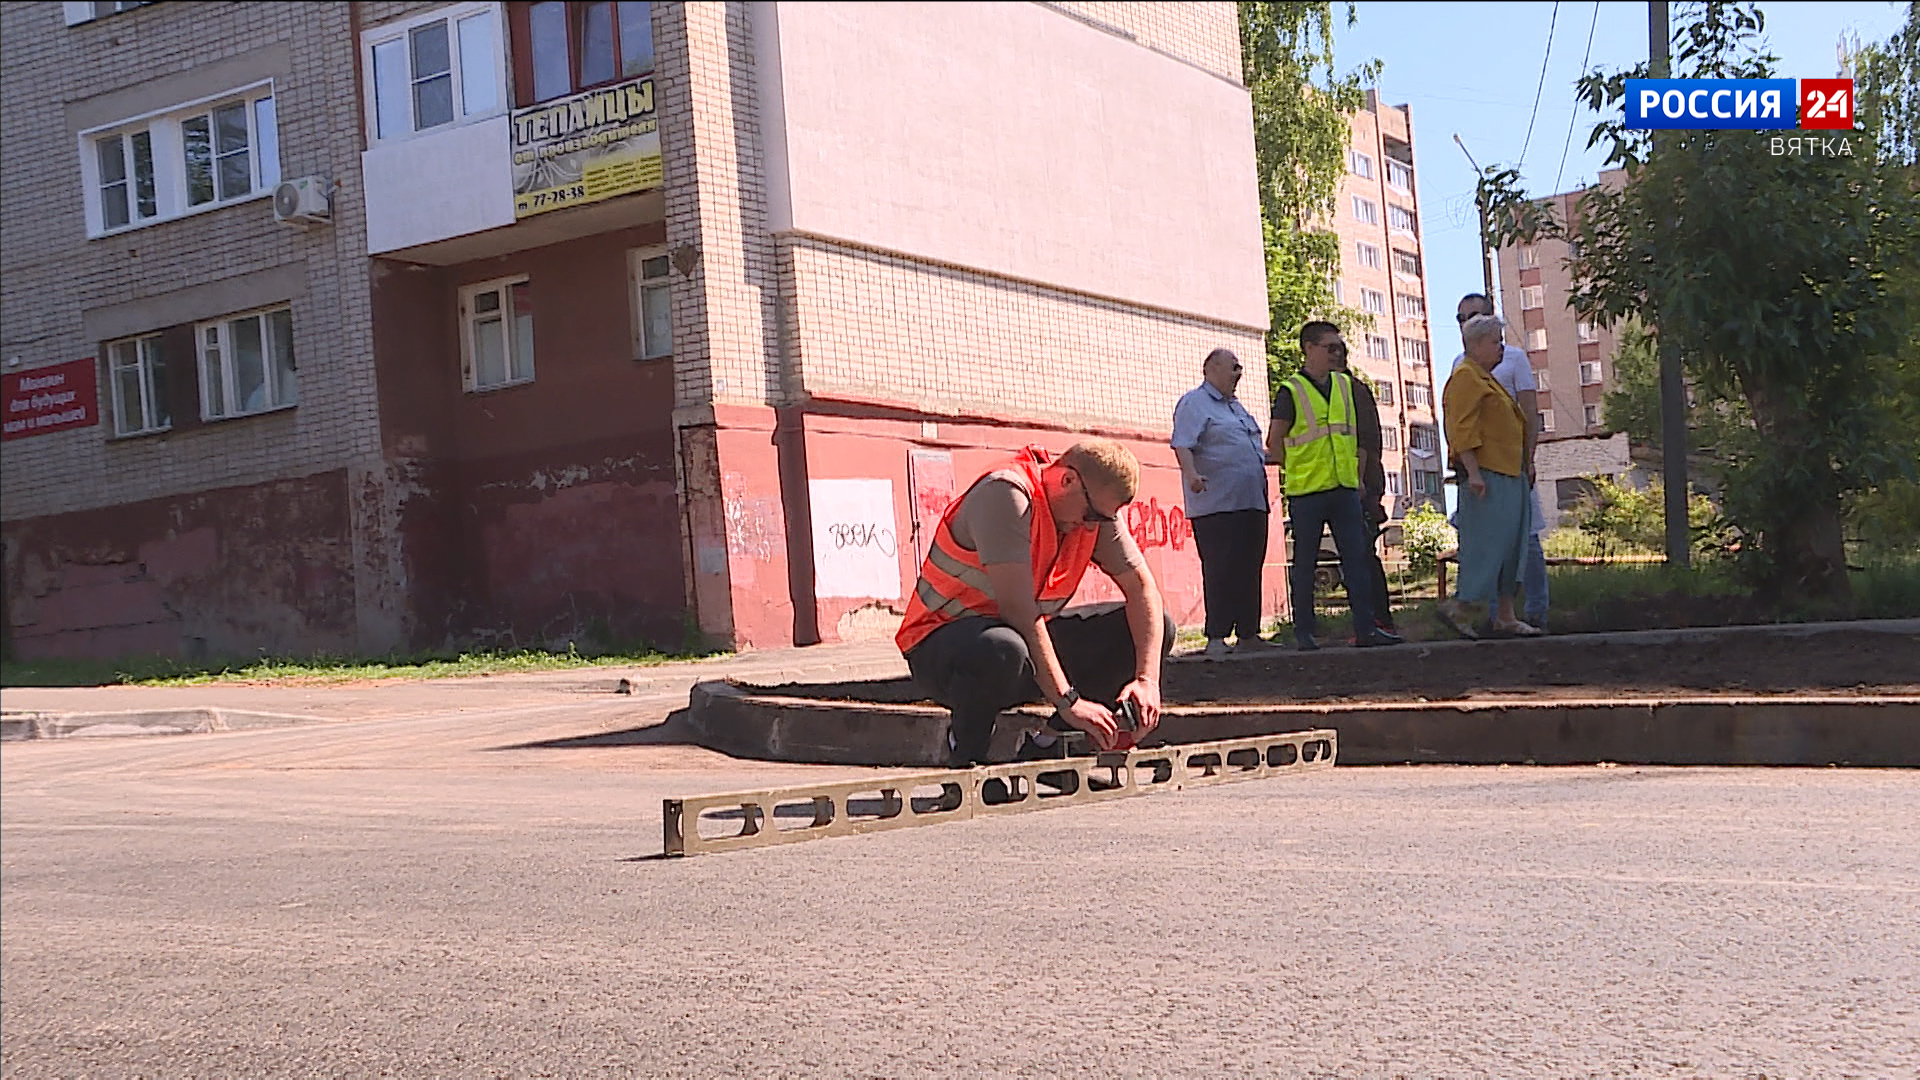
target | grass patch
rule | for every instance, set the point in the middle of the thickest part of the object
(157, 671)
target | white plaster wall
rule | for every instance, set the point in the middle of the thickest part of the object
(438, 186)
(1013, 139)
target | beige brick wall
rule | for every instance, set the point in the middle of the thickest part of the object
(54, 273)
(881, 327)
(1206, 35)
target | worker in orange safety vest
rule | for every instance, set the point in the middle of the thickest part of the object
(988, 627)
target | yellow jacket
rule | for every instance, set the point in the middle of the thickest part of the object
(1483, 418)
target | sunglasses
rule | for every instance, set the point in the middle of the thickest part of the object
(1091, 516)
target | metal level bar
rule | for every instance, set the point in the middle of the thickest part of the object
(752, 819)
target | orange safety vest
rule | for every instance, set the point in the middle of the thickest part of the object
(953, 584)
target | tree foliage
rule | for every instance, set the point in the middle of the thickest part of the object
(1886, 80)
(1778, 278)
(1300, 134)
(1424, 535)
(1621, 519)
(1632, 401)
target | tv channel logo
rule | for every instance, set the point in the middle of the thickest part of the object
(1739, 104)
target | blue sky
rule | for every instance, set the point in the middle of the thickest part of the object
(1487, 100)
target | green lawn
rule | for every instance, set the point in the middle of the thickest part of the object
(155, 671)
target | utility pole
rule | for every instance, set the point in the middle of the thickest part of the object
(1480, 200)
(1673, 391)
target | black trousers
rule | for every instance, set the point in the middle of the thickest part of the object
(1338, 509)
(978, 666)
(1382, 600)
(1233, 550)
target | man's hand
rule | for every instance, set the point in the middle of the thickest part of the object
(1144, 693)
(1196, 482)
(1095, 720)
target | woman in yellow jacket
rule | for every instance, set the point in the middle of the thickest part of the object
(1486, 438)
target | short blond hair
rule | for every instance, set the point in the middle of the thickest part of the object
(1105, 464)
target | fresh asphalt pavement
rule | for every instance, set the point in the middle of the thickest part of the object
(474, 895)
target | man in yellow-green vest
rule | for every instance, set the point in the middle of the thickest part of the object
(1318, 416)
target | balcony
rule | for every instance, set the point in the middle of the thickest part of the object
(438, 186)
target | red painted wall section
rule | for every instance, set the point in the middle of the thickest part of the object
(756, 535)
(233, 572)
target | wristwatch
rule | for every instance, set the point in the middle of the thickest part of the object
(1068, 699)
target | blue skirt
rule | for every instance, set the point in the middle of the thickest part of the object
(1493, 533)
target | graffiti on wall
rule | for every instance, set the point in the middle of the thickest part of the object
(854, 544)
(1154, 527)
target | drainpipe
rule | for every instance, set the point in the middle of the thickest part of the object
(796, 503)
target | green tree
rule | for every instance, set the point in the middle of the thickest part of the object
(1778, 279)
(1300, 135)
(1886, 79)
(1632, 401)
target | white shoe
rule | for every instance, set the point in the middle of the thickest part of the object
(1216, 649)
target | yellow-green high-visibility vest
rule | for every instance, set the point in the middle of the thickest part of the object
(1322, 451)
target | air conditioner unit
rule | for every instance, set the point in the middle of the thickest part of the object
(304, 201)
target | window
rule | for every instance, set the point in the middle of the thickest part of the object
(1368, 255)
(1365, 211)
(1373, 300)
(1393, 484)
(1426, 483)
(1589, 372)
(1415, 350)
(1574, 249)
(560, 48)
(430, 72)
(138, 377)
(1546, 420)
(1589, 334)
(77, 13)
(1400, 176)
(1411, 306)
(246, 364)
(1400, 218)
(1339, 291)
(1533, 296)
(1537, 339)
(496, 337)
(1529, 257)
(652, 304)
(1542, 379)
(1378, 348)
(1389, 437)
(1593, 415)
(1417, 394)
(1359, 164)
(183, 161)
(1406, 262)
(1383, 394)
(1423, 439)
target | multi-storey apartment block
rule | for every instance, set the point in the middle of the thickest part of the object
(391, 325)
(1377, 217)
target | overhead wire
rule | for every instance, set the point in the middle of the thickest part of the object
(1575, 115)
(1551, 23)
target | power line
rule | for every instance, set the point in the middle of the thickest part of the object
(1551, 23)
(1575, 115)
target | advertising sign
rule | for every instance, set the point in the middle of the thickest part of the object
(581, 149)
(47, 399)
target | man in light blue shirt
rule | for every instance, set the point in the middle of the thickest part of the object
(1515, 373)
(1223, 466)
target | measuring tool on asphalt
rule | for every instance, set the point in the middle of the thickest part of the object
(735, 821)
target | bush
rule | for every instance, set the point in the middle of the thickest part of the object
(1424, 535)
(1622, 520)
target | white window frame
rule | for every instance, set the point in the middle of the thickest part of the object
(640, 285)
(1402, 253)
(1339, 292)
(1366, 211)
(1393, 483)
(1383, 394)
(469, 369)
(1389, 437)
(1431, 442)
(1379, 348)
(1373, 301)
(1415, 350)
(1537, 339)
(278, 397)
(87, 11)
(1395, 212)
(1589, 334)
(1368, 255)
(1542, 379)
(148, 362)
(402, 31)
(1591, 414)
(1590, 374)
(1529, 257)
(1417, 396)
(164, 129)
(1533, 296)
(1400, 176)
(1359, 164)
(1546, 421)
(1410, 306)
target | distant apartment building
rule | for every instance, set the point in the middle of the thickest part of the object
(389, 325)
(1383, 275)
(1572, 359)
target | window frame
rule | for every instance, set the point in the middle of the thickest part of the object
(1359, 164)
(1415, 350)
(1429, 445)
(1378, 347)
(1383, 394)
(637, 284)
(1412, 225)
(166, 140)
(1417, 396)
(469, 368)
(519, 28)
(1537, 334)
(1400, 254)
(1410, 306)
(401, 30)
(1397, 171)
(1591, 414)
(1586, 333)
(1594, 367)
(1529, 257)
(1393, 482)
(1389, 437)
(1371, 216)
(1543, 379)
(222, 325)
(151, 364)
(1369, 255)
(1533, 297)
(1545, 420)
(1373, 301)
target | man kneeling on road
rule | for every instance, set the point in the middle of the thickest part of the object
(985, 628)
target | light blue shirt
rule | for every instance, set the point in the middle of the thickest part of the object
(1227, 450)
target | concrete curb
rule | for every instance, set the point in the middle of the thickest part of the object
(21, 726)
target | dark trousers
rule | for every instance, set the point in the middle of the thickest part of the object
(1311, 515)
(1233, 550)
(1381, 600)
(978, 666)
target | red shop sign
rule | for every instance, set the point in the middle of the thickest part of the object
(51, 398)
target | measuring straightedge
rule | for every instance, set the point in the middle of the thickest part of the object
(736, 820)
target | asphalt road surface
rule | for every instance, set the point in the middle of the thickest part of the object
(433, 897)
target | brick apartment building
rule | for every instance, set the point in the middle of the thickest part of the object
(1377, 217)
(588, 319)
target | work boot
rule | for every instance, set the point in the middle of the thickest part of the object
(1216, 649)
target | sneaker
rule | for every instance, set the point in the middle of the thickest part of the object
(1216, 649)
(1380, 637)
